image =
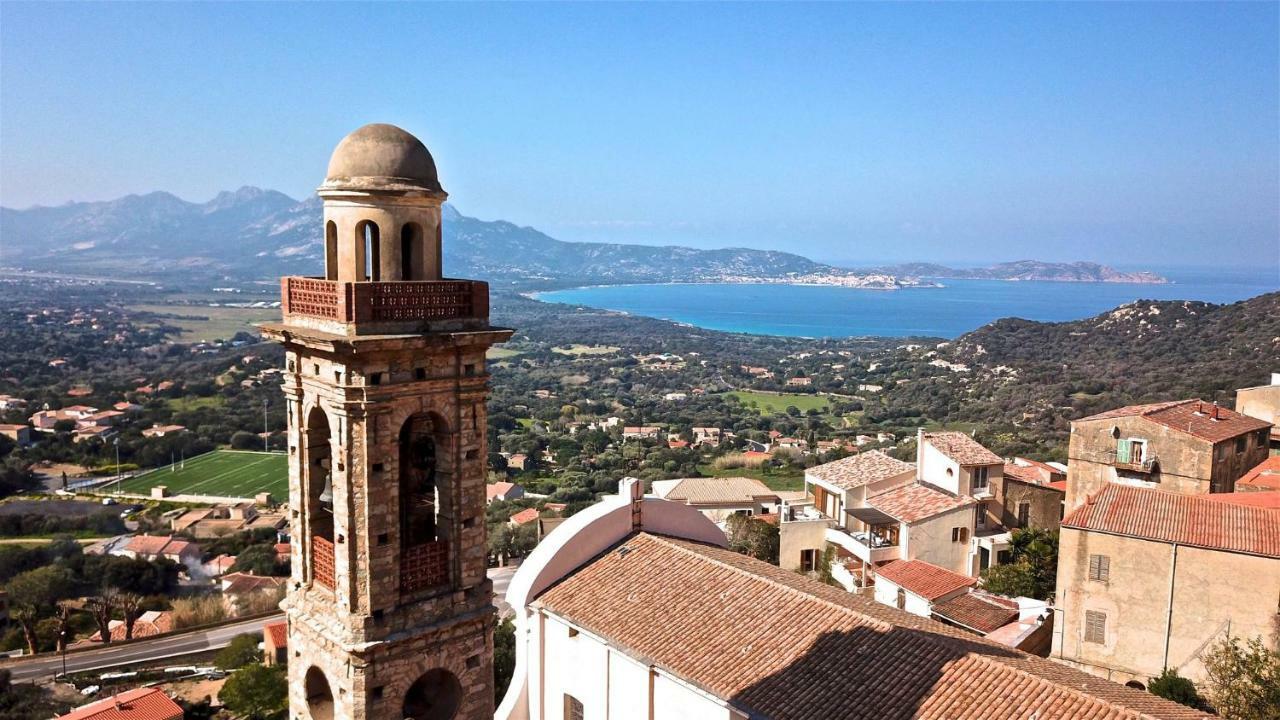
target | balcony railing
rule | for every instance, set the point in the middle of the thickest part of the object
(322, 561)
(424, 566)
(378, 302)
(1145, 465)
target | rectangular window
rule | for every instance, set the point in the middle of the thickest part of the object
(1095, 627)
(960, 534)
(980, 515)
(808, 560)
(1024, 514)
(1100, 568)
(980, 478)
(1241, 443)
(572, 708)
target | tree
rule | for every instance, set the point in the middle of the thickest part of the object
(1032, 569)
(1172, 686)
(34, 593)
(1243, 680)
(130, 607)
(100, 607)
(750, 536)
(242, 650)
(504, 657)
(256, 692)
(259, 560)
(241, 440)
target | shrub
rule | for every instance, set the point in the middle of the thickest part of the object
(1172, 686)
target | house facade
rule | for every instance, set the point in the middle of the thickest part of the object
(718, 498)
(1263, 402)
(1149, 579)
(1185, 446)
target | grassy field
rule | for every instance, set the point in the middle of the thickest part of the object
(501, 353)
(774, 480)
(769, 403)
(230, 473)
(194, 402)
(201, 323)
(585, 350)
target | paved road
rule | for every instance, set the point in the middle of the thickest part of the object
(141, 651)
(183, 644)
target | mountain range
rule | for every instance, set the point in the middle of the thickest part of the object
(253, 234)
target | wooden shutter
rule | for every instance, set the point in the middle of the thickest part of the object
(1100, 567)
(1095, 627)
(572, 708)
(1123, 449)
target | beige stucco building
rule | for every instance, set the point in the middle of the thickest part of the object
(389, 613)
(1185, 446)
(1263, 402)
(1149, 579)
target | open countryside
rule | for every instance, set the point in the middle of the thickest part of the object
(224, 473)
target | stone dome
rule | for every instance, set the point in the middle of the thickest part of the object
(382, 157)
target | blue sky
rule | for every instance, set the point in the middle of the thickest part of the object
(1134, 134)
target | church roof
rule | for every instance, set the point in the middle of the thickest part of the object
(776, 644)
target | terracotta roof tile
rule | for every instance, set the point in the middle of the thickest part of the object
(696, 491)
(924, 579)
(525, 516)
(861, 469)
(277, 633)
(140, 704)
(979, 611)
(918, 501)
(1193, 417)
(963, 449)
(1185, 519)
(775, 644)
(1264, 476)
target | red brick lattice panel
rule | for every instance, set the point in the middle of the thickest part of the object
(424, 566)
(349, 302)
(390, 301)
(311, 296)
(322, 561)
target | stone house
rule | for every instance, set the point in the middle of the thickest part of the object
(275, 643)
(19, 434)
(1149, 579)
(1185, 446)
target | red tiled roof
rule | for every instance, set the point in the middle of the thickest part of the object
(525, 516)
(148, 544)
(1185, 519)
(978, 611)
(861, 469)
(276, 633)
(1059, 485)
(924, 579)
(140, 704)
(1268, 500)
(1193, 417)
(917, 501)
(1264, 476)
(1033, 476)
(963, 449)
(493, 490)
(772, 643)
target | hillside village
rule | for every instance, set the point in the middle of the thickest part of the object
(793, 454)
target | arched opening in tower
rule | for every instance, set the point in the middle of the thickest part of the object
(319, 492)
(319, 696)
(434, 696)
(331, 250)
(369, 247)
(411, 252)
(424, 497)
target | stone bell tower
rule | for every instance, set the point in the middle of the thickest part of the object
(389, 608)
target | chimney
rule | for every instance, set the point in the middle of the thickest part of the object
(1215, 411)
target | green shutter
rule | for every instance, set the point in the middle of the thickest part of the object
(1123, 448)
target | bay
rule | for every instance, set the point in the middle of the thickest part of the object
(950, 311)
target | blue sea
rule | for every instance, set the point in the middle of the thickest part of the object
(950, 311)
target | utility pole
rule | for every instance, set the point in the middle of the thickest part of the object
(116, 442)
(266, 436)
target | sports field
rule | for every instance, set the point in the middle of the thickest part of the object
(229, 473)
